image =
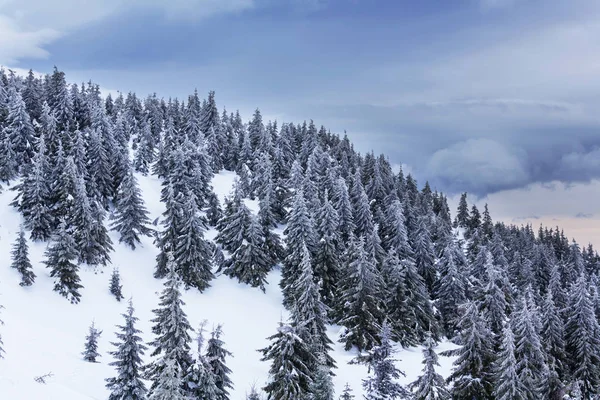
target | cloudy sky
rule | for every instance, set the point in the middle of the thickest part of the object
(496, 97)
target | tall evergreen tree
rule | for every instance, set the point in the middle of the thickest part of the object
(430, 385)
(171, 329)
(201, 382)
(59, 258)
(131, 217)
(169, 383)
(128, 383)
(507, 384)
(216, 355)
(18, 129)
(290, 377)
(20, 260)
(383, 385)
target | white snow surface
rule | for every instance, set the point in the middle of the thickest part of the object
(43, 333)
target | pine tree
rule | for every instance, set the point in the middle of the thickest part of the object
(169, 383)
(326, 259)
(424, 254)
(171, 329)
(347, 393)
(20, 260)
(309, 314)
(59, 258)
(507, 384)
(169, 236)
(193, 254)
(430, 385)
(253, 395)
(552, 335)
(115, 285)
(581, 337)
(18, 129)
(360, 289)
(289, 374)
(131, 217)
(322, 386)
(127, 384)
(382, 385)
(250, 263)
(472, 368)
(90, 354)
(235, 221)
(200, 379)
(450, 291)
(215, 356)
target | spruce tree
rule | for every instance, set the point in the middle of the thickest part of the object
(347, 393)
(115, 285)
(20, 260)
(322, 386)
(90, 354)
(200, 380)
(581, 337)
(250, 263)
(326, 258)
(171, 329)
(450, 291)
(289, 374)
(130, 218)
(168, 238)
(430, 385)
(507, 384)
(383, 384)
(18, 129)
(552, 335)
(193, 254)
(360, 289)
(59, 258)
(127, 384)
(234, 222)
(472, 373)
(169, 383)
(216, 355)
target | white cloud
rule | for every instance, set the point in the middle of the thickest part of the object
(16, 43)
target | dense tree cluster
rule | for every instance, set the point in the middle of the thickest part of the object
(363, 246)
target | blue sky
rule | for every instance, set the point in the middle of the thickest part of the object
(497, 97)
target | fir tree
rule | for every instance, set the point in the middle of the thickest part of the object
(18, 129)
(115, 285)
(359, 295)
(59, 258)
(90, 354)
(347, 393)
(127, 384)
(171, 329)
(450, 291)
(430, 385)
(382, 385)
(201, 382)
(322, 386)
(289, 374)
(507, 384)
(581, 337)
(192, 252)
(131, 217)
(552, 335)
(215, 356)
(169, 383)
(20, 260)
(326, 259)
(472, 369)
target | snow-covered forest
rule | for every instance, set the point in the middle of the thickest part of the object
(167, 249)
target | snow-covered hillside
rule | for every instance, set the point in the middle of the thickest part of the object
(44, 333)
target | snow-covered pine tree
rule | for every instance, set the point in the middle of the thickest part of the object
(250, 263)
(299, 234)
(253, 395)
(472, 373)
(290, 377)
(171, 328)
(20, 260)
(128, 383)
(462, 214)
(424, 254)
(430, 385)
(235, 221)
(507, 384)
(326, 258)
(383, 385)
(450, 291)
(309, 314)
(90, 354)
(552, 335)
(216, 355)
(322, 386)
(130, 218)
(193, 254)
(169, 384)
(59, 258)
(359, 296)
(32, 199)
(347, 393)
(169, 236)
(18, 129)
(115, 285)
(200, 380)
(582, 338)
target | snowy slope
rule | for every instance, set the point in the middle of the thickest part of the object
(44, 333)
